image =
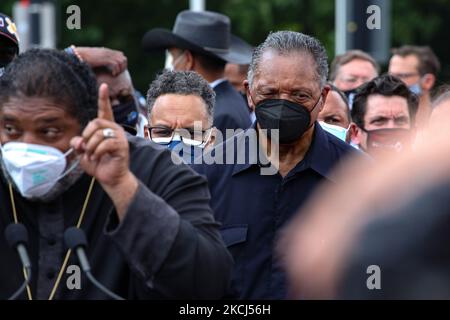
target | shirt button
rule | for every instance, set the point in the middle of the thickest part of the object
(51, 242)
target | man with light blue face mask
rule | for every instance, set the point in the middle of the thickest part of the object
(335, 116)
(180, 109)
(418, 67)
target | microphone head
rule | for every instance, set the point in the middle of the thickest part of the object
(15, 234)
(75, 237)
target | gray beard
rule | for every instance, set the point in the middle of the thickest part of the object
(58, 189)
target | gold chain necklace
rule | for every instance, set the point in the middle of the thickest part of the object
(66, 258)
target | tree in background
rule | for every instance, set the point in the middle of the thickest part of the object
(121, 24)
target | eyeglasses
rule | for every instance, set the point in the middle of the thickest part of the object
(405, 75)
(164, 136)
(353, 80)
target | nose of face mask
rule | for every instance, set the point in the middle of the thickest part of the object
(170, 63)
(186, 152)
(336, 131)
(34, 169)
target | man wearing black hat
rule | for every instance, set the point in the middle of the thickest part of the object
(202, 42)
(9, 41)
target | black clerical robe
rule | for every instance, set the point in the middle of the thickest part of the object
(167, 247)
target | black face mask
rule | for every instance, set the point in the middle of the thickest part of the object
(126, 114)
(290, 118)
(388, 140)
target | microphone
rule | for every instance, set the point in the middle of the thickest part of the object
(17, 237)
(75, 239)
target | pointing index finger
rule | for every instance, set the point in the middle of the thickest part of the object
(104, 105)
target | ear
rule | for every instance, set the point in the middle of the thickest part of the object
(355, 134)
(249, 99)
(326, 89)
(212, 139)
(146, 133)
(428, 81)
(190, 61)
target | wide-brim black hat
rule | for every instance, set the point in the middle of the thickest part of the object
(202, 32)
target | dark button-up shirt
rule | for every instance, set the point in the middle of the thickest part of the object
(167, 246)
(253, 207)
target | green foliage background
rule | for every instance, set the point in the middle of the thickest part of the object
(121, 24)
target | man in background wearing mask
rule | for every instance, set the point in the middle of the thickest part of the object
(180, 113)
(418, 68)
(202, 42)
(9, 41)
(335, 115)
(350, 70)
(123, 100)
(383, 115)
(110, 67)
(287, 89)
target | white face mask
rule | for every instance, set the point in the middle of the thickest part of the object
(336, 131)
(35, 169)
(170, 64)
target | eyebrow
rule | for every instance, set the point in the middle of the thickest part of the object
(270, 87)
(331, 116)
(9, 118)
(48, 119)
(159, 125)
(377, 118)
(402, 117)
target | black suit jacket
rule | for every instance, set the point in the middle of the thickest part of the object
(230, 111)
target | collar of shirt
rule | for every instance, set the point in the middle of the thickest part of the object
(318, 157)
(215, 83)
